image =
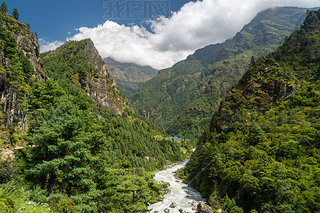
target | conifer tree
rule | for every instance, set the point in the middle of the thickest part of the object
(15, 13)
(4, 7)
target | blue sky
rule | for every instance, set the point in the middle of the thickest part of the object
(53, 19)
(157, 42)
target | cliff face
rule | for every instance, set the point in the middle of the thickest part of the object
(95, 81)
(27, 42)
(98, 86)
(19, 62)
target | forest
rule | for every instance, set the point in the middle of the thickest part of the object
(76, 156)
(76, 144)
(261, 151)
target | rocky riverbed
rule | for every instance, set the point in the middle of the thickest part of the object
(181, 198)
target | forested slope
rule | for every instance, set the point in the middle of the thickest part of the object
(261, 151)
(183, 98)
(79, 146)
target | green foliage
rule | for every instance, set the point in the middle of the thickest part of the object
(8, 169)
(13, 198)
(17, 72)
(66, 205)
(20, 69)
(15, 13)
(77, 61)
(260, 153)
(6, 201)
(183, 98)
(80, 155)
(4, 7)
(8, 41)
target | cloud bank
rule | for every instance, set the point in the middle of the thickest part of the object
(46, 46)
(170, 40)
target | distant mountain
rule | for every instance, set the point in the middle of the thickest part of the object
(183, 97)
(129, 77)
(260, 153)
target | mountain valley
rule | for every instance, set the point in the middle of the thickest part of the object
(82, 132)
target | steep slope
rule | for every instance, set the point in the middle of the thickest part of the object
(129, 77)
(19, 63)
(183, 98)
(260, 153)
(95, 152)
(81, 62)
(83, 148)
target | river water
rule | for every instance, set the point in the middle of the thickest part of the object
(184, 196)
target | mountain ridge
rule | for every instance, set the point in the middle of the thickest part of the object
(97, 82)
(262, 141)
(183, 98)
(129, 76)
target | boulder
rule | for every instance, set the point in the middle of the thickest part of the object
(166, 210)
(173, 205)
(182, 211)
(204, 208)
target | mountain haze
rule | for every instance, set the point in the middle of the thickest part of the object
(183, 97)
(129, 77)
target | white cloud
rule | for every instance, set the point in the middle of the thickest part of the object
(197, 24)
(46, 46)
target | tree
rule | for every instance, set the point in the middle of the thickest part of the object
(4, 7)
(61, 157)
(15, 13)
(252, 61)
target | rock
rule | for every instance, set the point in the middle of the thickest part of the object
(11, 99)
(204, 208)
(173, 205)
(166, 210)
(156, 212)
(182, 211)
(312, 21)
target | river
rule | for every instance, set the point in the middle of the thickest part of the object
(180, 193)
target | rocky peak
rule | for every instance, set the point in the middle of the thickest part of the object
(97, 84)
(26, 41)
(94, 56)
(14, 93)
(312, 21)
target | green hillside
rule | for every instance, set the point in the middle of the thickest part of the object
(129, 77)
(76, 144)
(261, 151)
(183, 98)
